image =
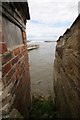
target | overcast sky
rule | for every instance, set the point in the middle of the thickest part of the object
(50, 18)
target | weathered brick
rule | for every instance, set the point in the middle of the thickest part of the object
(16, 51)
(1, 36)
(20, 55)
(15, 60)
(24, 35)
(6, 68)
(0, 63)
(0, 47)
(21, 49)
(3, 48)
(10, 75)
(18, 72)
(6, 99)
(6, 57)
(7, 90)
(22, 59)
(13, 64)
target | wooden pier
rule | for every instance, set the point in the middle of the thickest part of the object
(32, 47)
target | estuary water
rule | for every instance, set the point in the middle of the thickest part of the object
(41, 68)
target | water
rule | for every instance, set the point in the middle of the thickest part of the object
(41, 69)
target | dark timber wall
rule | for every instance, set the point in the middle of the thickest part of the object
(14, 56)
(67, 72)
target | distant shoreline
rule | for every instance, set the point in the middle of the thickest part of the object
(49, 41)
(41, 41)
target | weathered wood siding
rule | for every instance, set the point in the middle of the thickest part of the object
(67, 73)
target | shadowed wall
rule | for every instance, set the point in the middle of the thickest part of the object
(67, 72)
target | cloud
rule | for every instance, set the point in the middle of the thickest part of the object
(50, 19)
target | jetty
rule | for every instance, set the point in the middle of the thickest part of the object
(32, 47)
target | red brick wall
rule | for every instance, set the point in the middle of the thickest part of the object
(15, 78)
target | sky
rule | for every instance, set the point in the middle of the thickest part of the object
(50, 18)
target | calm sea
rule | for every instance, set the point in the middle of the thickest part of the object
(41, 68)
